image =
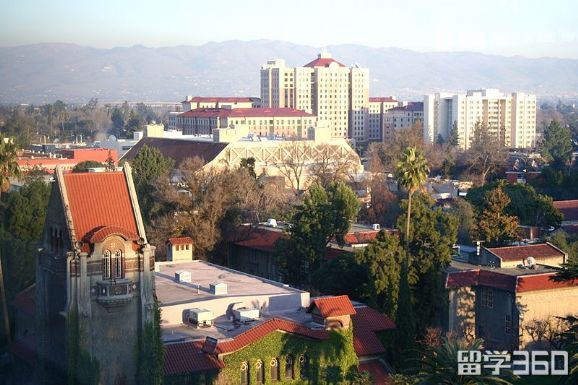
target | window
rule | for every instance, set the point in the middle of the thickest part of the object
(260, 372)
(274, 369)
(508, 324)
(118, 271)
(106, 264)
(289, 368)
(304, 367)
(487, 297)
(244, 373)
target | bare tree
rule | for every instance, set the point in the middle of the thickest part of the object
(292, 162)
(486, 153)
(331, 167)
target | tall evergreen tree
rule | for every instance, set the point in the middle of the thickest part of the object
(8, 163)
(494, 226)
(557, 144)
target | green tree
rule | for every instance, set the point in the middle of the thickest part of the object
(343, 275)
(147, 167)
(383, 258)
(411, 173)
(494, 226)
(85, 165)
(525, 204)
(324, 215)
(249, 164)
(557, 145)
(464, 212)
(8, 163)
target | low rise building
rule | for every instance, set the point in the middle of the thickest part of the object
(227, 102)
(401, 118)
(65, 158)
(378, 106)
(501, 294)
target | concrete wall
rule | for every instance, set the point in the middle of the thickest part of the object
(461, 314)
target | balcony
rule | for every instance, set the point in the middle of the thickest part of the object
(114, 294)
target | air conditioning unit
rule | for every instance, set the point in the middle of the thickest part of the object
(244, 314)
(376, 226)
(183, 276)
(218, 288)
(200, 317)
(271, 222)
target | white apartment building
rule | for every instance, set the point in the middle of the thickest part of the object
(196, 102)
(336, 94)
(512, 117)
(378, 106)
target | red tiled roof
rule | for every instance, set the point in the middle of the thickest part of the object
(25, 349)
(187, 357)
(334, 306)
(515, 253)
(180, 241)
(25, 300)
(462, 278)
(102, 233)
(360, 237)
(97, 200)
(322, 62)
(366, 322)
(542, 282)
(378, 372)
(225, 99)
(569, 209)
(382, 99)
(261, 239)
(372, 319)
(243, 113)
(267, 327)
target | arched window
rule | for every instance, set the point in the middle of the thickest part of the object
(274, 369)
(106, 257)
(260, 372)
(118, 264)
(289, 368)
(304, 367)
(244, 373)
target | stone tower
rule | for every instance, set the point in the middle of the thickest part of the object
(95, 280)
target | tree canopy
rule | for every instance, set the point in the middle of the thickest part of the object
(8, 163)
(325, 214)
(85, 165)
(486, 153)
(494, 226)
(557, 144)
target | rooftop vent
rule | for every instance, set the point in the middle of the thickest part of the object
(244, 314)
(271, 222)
(218, 288)
(376, 226)
(200, 317)
(183, 276)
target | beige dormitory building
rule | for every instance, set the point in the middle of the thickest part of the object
(338, 95)
(511, 117)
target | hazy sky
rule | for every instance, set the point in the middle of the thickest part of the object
(531, 28)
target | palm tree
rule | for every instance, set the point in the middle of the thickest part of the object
(411, 172)
(439, 365)
(8, 163)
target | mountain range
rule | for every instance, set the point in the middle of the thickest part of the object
(44, 73)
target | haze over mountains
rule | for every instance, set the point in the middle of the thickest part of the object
(43, 73)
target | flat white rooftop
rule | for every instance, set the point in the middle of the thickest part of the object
(203, 274)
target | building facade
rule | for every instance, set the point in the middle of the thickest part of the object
(94, 280)
(510, 117)
(401, 118)
(324, 87)
(378, 106)
(197, 102)
(277, 122)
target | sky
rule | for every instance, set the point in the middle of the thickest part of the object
(532, 28)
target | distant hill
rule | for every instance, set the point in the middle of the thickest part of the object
(46, 72)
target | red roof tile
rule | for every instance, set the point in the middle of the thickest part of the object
(244, 113)
(378, 372)
(366, 342)
(542, 282)
(25, 300)
(180, 241)
(360, 237)
(104, 232)
(334, 306)
(569, 209)
(322, 62)
(372, 319)
(267, 327)
(382, 99)
(462, 278)
(517, 253)
(261, 239)
(187, 357)
(97, 200)
(226, 99)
